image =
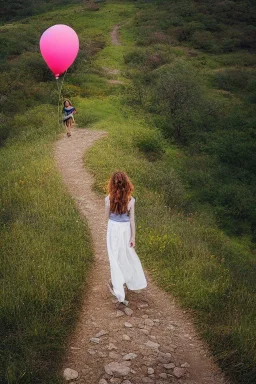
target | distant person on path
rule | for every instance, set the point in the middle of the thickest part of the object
(68, 118)
(125, 266)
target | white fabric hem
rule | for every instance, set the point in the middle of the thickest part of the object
(125, 265)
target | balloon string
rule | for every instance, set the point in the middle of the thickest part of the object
(59, 87)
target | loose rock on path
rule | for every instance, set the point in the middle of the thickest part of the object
(160, 344)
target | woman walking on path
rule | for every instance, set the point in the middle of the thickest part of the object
(68, 118)
(125, 266)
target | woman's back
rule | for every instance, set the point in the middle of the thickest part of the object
(123, 217)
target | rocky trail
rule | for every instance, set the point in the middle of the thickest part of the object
(151, 341)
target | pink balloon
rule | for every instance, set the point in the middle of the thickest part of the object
(59, 46)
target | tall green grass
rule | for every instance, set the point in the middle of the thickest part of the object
(45, 254)
(179, 240)
(45, 246)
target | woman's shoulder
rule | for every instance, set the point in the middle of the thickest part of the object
(107, 199)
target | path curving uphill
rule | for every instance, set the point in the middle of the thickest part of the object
(152, 341)
(114, 35)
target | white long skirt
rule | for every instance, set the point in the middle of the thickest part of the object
(125, 265)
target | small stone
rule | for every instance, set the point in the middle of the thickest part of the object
(127, 363)
(145, 317)
(150, 371)
(152, 337)
(169, 366)
(152, 344)
(156, 320)
(179, 372)
(115, 380)
(174, 324)
(95, 340)
(126, 382)
(119, 313)
(148, 361)
(185, 365)
(142, 305)
(111, 346)
(164, 358)
(70, 374)
(149, 322)
(114, 355)
(126, 338)
(101, 333)
(148, 351)
(117, 369)
(130, 356)
(128, 311)
(103, 381)
(163, 375)
(147, 380)
(85, 370)
(91, 351)
(146, 331)
(102, 354)
(128, 325)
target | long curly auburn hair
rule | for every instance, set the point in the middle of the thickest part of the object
(120, 190)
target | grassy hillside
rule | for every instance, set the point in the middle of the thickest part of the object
(188, 144)
(17, 9)
(194, 71)
(45, 247)
(191, 158)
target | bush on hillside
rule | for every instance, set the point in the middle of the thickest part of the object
(205, 40)
(252, 91)
(4, 128)
(231, 79)
(136, 57)
(151, 145)
(178, 94)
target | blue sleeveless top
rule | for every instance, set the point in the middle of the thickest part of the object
(121, 218)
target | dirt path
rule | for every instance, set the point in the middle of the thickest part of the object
(154, 341)
(114, 35)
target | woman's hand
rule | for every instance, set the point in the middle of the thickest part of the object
(132, 243)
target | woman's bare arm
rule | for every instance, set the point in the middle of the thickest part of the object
(132, 223)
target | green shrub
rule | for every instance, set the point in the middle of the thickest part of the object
(231, 79)
(136, 57)
(204, 40)
(151, 145)
(230, 45)
(4, 128)
(178, 94)
(248, 39)
(86, 117)
(70, 90)
(33, 66)
(252, 91)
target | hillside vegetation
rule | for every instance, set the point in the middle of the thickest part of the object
(182, 126)
(45, 246)
(17, 9)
